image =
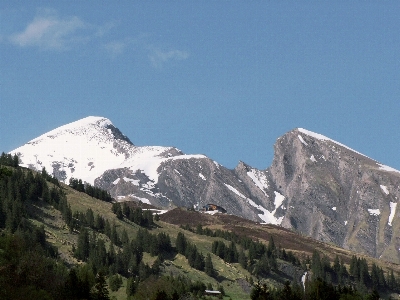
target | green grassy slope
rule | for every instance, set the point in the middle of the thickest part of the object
(232, 277)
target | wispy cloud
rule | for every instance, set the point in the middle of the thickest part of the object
(116, 47)
(158, 57)
(47, 31)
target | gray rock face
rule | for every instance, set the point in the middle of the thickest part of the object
(315, 186)
(192, 182)
(337, 195)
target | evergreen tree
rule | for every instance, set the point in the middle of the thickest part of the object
(89, 218)
(131, 286)
(242, 259)
(126, 210)
(316, 266)
(100, 291)
(336, 265)
(82, 250)
(181, 243)
(209, 268)
(271, 246)
(260, 292)
(391, 280)
(115, 282)
(114, 235)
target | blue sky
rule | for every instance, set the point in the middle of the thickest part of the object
(221, 78)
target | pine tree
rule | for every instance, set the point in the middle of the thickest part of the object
(209, 268)
(391, 280)
(199, 262)
(316, 266)
(336, 265)
(242, 259)
(354, 270)
(126, 210)
(82, 250)
(181, 243)
(89, 218)
(100, 291)
(114, 235)
(131, 286)
(271, 246)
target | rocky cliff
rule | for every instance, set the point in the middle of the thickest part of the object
(335, 194)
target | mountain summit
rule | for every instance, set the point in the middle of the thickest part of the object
(82, 149)
(315, 185)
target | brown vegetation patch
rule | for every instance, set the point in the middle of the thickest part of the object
(302, 246)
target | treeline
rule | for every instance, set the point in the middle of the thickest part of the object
(332, 282)
(260, 259)
(90, 190)
(253, 256)
(195, 259)
(359, 274)
(138, 216)
(172, 288)
(317, 289)
(21, 189)
(9, 160)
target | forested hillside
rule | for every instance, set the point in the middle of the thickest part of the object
(70, 242)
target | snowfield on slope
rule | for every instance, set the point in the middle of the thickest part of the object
(85, 149)
(267, 216)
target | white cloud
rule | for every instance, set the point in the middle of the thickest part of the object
(158, 57)
(116, 47)
(48, 31)
(104, 29)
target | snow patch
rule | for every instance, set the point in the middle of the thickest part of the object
(387, 168)
(232, 189)
(334, 208)
(267, 216)
(393, 207)
(278, 200)
(133, 181)
(313, 158)
(345, 222)
(259, 179)
(374, 212)
(302, 140)
(324, 138)
(116, 181)
(384, 189)
(144, 200)
(157, 211)
(202, 176)
(303, 280)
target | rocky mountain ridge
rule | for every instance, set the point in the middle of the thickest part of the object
(335, 194)
(315, 185)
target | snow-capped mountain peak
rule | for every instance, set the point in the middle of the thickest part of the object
(99, 127)
(85, 149)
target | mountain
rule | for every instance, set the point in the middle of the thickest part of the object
(94, 150)
(315, 186)
(336, 194)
